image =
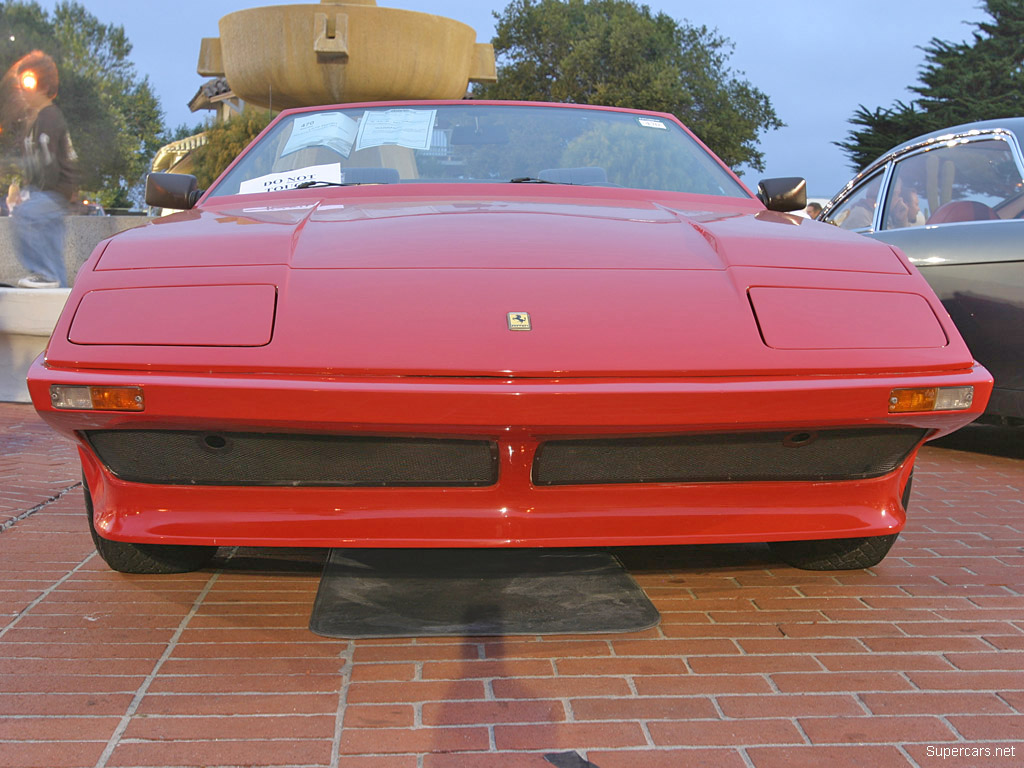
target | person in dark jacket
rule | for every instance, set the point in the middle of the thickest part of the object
(39, 203)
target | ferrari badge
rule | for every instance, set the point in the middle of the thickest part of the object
(519, 321)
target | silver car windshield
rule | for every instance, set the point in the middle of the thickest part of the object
(475, 142)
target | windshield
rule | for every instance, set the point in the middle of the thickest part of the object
(477, 142)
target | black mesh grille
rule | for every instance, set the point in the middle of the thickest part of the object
(834, 454)
(244, 458)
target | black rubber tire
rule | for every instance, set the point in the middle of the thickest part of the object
(145, 558)
(839, 554)
(834, 554)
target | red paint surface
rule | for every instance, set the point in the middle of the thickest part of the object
(811, 318)
(188, 315)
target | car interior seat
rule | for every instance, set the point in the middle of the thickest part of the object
(961, 210)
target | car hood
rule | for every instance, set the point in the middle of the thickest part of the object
(485, 234)
(611, 288)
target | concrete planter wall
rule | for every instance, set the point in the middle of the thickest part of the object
(27, 316)
(83, 233)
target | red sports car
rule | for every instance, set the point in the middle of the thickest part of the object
(495, 324)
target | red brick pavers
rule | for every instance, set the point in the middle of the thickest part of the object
(917, 662)
(35, 466)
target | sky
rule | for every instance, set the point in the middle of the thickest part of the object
(816, 61)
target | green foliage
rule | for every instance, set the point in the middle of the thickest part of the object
(882, 130)
(618, 53)
(184, 130)
(112, 114)
(648, 159)
(225, 141)
(980, 79)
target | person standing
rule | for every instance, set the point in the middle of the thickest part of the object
(39, 203)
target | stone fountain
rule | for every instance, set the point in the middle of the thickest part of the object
(282, 56)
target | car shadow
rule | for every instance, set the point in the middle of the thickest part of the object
(270, 560)
(692, 558)
(697, 558)
(984, 438)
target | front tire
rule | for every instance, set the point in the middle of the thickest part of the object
(126, 557)
(839, 554)
(834, 554)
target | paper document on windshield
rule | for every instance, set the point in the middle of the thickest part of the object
(333, 130)
(277, 182)
(412, 128)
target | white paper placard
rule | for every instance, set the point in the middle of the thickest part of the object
(333, 130)
(277, 182)
(412, 128)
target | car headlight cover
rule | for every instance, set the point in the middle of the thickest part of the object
(67, 397)
(918, 399)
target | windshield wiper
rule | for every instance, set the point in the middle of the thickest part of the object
(533, 180)
(318, 183)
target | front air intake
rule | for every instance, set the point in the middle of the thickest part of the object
(169, 457)
(826, 454)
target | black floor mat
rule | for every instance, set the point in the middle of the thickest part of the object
(477, 592)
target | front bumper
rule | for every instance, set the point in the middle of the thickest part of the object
(518, 415)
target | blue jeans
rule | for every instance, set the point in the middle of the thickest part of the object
(38, 225)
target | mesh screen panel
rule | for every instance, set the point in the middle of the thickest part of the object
(833, 454)
(244, 458)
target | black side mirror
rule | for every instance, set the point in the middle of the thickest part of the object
(785, 194)
(172, 190)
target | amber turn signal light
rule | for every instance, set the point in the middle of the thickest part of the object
(919, 399)
(97, 398)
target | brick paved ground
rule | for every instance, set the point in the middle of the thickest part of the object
(754, 663)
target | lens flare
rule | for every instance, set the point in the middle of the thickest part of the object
(29, 80)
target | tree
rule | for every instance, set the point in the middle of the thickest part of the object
(184, 130)
(959, 83)
(113, 116)
(618, 53)
(884, 128)
(224, 142)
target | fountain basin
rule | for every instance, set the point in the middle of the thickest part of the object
(285, 56)
(27, 318)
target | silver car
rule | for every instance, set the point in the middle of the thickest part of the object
(953, 201)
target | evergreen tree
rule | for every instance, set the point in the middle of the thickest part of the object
(980, 79)
(619, 53)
